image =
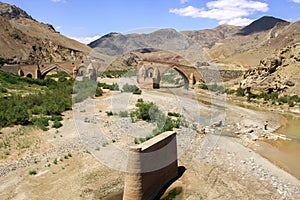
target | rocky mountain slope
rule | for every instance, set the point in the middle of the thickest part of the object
(247, 50)
(114, 44)
(241, 47)
(277, 73)
(262, 24)
(25, 40)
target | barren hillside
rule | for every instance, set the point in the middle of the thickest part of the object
(25, 40)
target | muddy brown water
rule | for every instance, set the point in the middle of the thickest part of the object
(285, 153)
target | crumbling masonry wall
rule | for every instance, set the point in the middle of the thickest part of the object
(151, 165)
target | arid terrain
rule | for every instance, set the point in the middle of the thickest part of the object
(81, 159)
(221, 146)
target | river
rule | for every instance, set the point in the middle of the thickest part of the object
(284, 153)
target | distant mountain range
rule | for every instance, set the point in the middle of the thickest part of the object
(25, 40)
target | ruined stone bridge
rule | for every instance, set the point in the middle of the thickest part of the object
(149, 73)
(39, 71)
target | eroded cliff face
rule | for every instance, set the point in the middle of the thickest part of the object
(27, 41)
(48, 51)
(278, 73)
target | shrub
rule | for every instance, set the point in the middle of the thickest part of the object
(174, 114)
(138, 91)
(53, 99)
(229, 91)
(56, 118)
(240, 92)
(114, 86)
(84, 89)
(148, 111)
(3, 90)
(109, 113)
(41, 122)
(57, 124)
(113, 73)
(131, 88)
(99, 92)
(123, 113)
(203, 86)
(32, 172)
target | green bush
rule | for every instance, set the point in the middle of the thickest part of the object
(41, 122)
(3, 90)
(32, 172)
(99, 92)
(109, 113)
(203, 86)
(57, 124)
(131, 88)
(84, 89)
(150, 112)
(47, 97)
(123, 114)
(138, 91)
(56, 118)
(240, 92)
(174, 114)
(114, 86)
(229, 91)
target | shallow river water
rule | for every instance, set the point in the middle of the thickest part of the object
(286, 154)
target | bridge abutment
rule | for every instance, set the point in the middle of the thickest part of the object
(151, 166)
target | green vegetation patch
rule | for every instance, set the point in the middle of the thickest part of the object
(117, 73)
(131, 88)
(114, 86)
(148, 111)
(48, 97)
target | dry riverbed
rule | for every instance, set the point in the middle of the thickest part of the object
(86, 158)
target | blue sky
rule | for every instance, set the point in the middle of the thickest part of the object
(88, 19)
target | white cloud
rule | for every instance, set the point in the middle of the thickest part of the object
(296, 1)
(225, 11)
(86, 40)
(184, 1)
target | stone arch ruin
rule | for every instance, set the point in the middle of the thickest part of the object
(149, 73)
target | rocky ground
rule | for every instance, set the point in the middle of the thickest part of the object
(85, 158)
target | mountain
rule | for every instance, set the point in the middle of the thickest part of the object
(25, 40)
(225, 44)
(115, 44)
(209, 37)
(248, 50)
(279, 72)
(262, 24)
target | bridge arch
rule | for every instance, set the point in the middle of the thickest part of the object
(151, 73)
(45, 71)
(21, 73)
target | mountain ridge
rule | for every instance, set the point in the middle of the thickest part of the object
(25, 40)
